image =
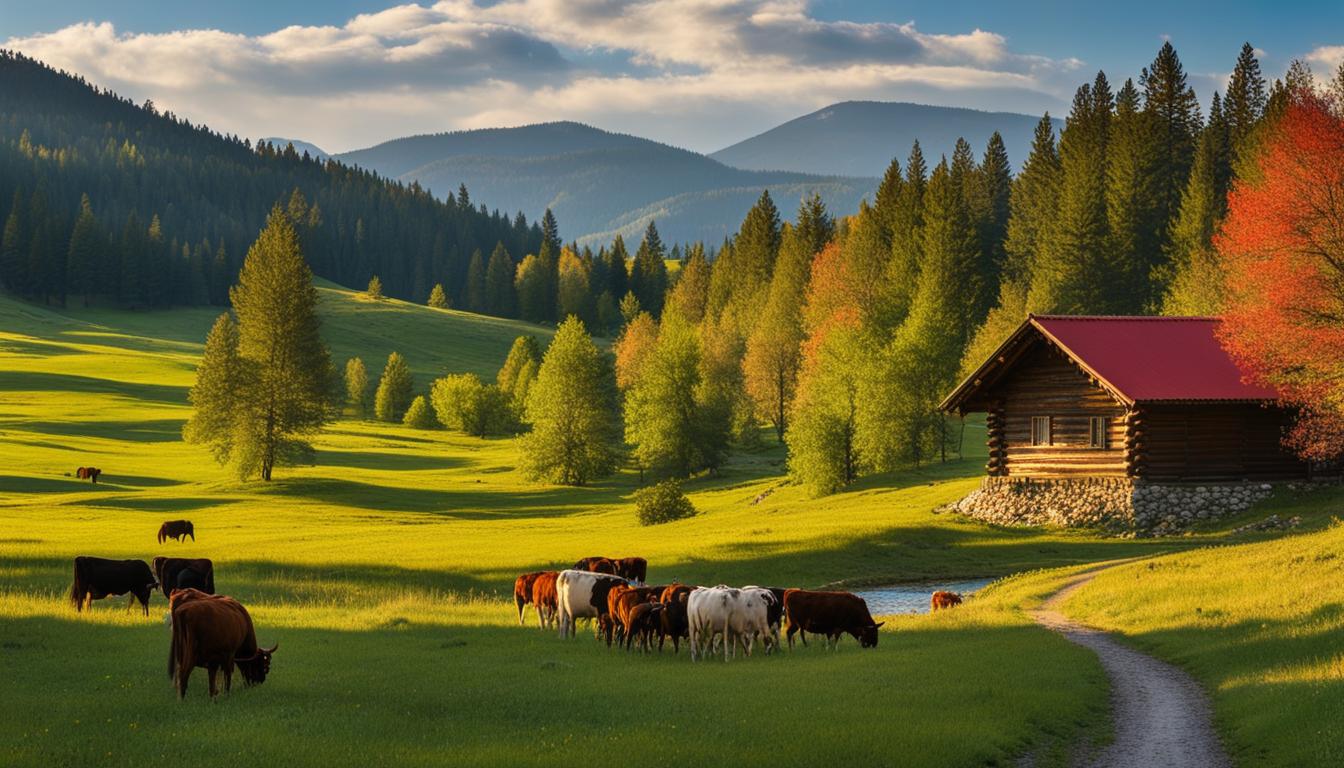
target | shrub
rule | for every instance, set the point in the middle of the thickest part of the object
(464, 403)
(663, 503)
(419, 415)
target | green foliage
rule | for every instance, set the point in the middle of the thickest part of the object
(500, 296)
(1196, 283)
(437, 298)
(357, 386)
(1132, 207)
(222, 379)
(690, 295)
(630, 308)
(464, 403)
(533, 287)
(419, 415)
(1032, 206)
(648, 273)
(375, 289)
(574, 291)
(572, 410)
(277, 386)
(395, 388)
(474, 293)
(822, 454)
(663, 502)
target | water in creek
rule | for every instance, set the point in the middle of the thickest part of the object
(913, 598)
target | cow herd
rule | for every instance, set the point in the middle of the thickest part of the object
(210, 631)
(612, 594)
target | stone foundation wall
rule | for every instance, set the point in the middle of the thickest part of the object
(1120, 504)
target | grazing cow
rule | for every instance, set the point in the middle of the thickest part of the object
(543, 598)
(88, 473)
(739, 615)
(641, 623)
(199, 571)
(621, 602)
(673, 621)
(831, 614)
(597, 565)
(581, 595)
(97, 578)
(522, 591)
(215, 632)
(632, 568)
(774, 612)
(941, 600)
(176, 529)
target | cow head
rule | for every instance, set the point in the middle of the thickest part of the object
(867, 636)
(257, 666)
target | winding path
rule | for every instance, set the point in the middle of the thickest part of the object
(1161, 715)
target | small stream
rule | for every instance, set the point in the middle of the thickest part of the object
(914, 598)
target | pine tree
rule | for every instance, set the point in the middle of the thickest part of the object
(473, 293)
(14, 246)
(1196, 284)
(219, 395)
(357, 386)
(572, 411)
(375, 289)
(548, 268)
(1032, 204)
(617, 269)
(1245, 102)
(1175, 114)
(1132, 207)
(906, 241)
(994, 182)
(279, 333)
(82, 258)
(888, 198)
(1071, 268)
(500, 297)
(395, 388)
(755, 249)
(648, 274)
(437, 298)
(532, 287)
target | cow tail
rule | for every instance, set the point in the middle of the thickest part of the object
(77, 591)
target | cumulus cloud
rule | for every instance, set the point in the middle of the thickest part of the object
(698, 73)
(1327, 58)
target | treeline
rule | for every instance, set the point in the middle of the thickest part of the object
(109, 201)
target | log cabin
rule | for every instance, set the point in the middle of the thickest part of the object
(1145, 398)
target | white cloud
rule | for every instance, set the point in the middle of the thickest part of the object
(698, 73)
(1327, 58)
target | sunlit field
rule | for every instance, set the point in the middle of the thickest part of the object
(1261, 626)
(383, 571)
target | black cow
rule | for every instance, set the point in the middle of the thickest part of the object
(199, 572)
(176, 529)
(97, 578)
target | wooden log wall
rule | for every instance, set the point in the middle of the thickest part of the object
(1217, 441)
(997, 465)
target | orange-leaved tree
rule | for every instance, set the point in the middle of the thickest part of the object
(1282, 247)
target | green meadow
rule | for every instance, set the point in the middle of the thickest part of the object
(384, 572)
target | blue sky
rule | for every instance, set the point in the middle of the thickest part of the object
(347, 73)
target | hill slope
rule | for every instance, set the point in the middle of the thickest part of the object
(300, 146)
(859, 138)
(599, 183)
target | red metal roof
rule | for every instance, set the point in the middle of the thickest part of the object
(1153, 358)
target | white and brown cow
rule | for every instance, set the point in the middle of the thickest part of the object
(575, 597)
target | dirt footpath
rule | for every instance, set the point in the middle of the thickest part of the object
(1161, 715)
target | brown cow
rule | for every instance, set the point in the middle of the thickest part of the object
(831, 614)
(215, 632)
(88, 473)
(641, 623)
(544, 599)
(941, 600)
(673, 621)
(632, 568)
(181, 572)
(597, 565)
(522, 591)
(621, 601)
(176, 529)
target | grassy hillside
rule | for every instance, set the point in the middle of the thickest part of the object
(1261, 625)
(382, 571)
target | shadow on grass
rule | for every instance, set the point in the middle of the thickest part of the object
(41, 381)
(158, 504)
(397, 462)
(139, 431)
(36, 349)
(485, 504)
(25, 484)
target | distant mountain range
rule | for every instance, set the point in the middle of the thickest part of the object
(600, 184)
(859, 138)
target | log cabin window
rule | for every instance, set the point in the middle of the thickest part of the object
(1040, 430)
(1096, 432)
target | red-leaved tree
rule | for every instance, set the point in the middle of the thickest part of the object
(1282, 248)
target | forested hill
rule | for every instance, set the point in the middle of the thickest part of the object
(601, 184)
(854, 137)
(172, 207)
